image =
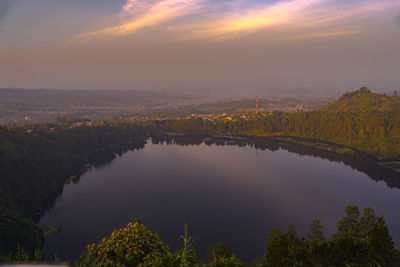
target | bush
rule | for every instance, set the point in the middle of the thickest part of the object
(133, 245)
(221, 255)
(185, 257)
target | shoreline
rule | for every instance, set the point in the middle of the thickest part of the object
(389, 164)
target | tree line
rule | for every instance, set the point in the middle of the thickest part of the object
(360, 119)
(360, 240)
(376, 133)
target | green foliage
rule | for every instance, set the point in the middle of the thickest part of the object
(284, 249)
(220, 250)
(360, 241)
(232, 261)
(134, 245)
(374, 129)
(184, 257)
(316, 235)
(221, 255)
(188, 255)
(363, 100)
(17, 232)
(21, 256)
(368, 233)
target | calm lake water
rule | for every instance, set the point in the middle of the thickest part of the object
(230, 193)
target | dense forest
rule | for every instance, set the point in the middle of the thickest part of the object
(370, 123)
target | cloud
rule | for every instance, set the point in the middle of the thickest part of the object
(138, 14)
(248, 20)
(287, 16)
(224, 20)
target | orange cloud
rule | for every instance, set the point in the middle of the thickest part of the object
(136, 15)
(238, 20)
(251, 20)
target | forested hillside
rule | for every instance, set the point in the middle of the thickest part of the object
(35, 164)
(362, 120)
(364, 100)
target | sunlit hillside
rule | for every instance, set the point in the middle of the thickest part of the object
(365, 100)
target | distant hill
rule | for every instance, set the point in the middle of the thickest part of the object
(364, 100)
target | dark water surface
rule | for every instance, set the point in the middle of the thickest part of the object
(231, 193)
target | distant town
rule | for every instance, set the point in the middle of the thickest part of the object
(85, 107)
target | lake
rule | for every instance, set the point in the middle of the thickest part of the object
(230, 191)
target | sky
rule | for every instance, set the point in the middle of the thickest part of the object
(199, 44)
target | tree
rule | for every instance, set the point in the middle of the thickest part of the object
(220, 250)
(220, 255)
(316, 235)
(349, 225)
(360, 241)
(134, 245)
(185, 257)
(283, 249)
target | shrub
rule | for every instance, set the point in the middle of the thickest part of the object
(133, 245)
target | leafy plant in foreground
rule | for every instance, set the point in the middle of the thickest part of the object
(21, 256)
(133, 245)
(184, 257)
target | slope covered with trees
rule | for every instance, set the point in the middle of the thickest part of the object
(35, 164)
(361, 120)
(364, 100)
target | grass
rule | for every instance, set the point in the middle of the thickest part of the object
(21, 256)
(345, 150)
(393, 165)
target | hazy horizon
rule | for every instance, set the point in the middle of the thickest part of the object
(253, 45)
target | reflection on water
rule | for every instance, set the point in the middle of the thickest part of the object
(358, 161)
(225, 190)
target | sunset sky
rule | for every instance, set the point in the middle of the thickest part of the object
(195, 44)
